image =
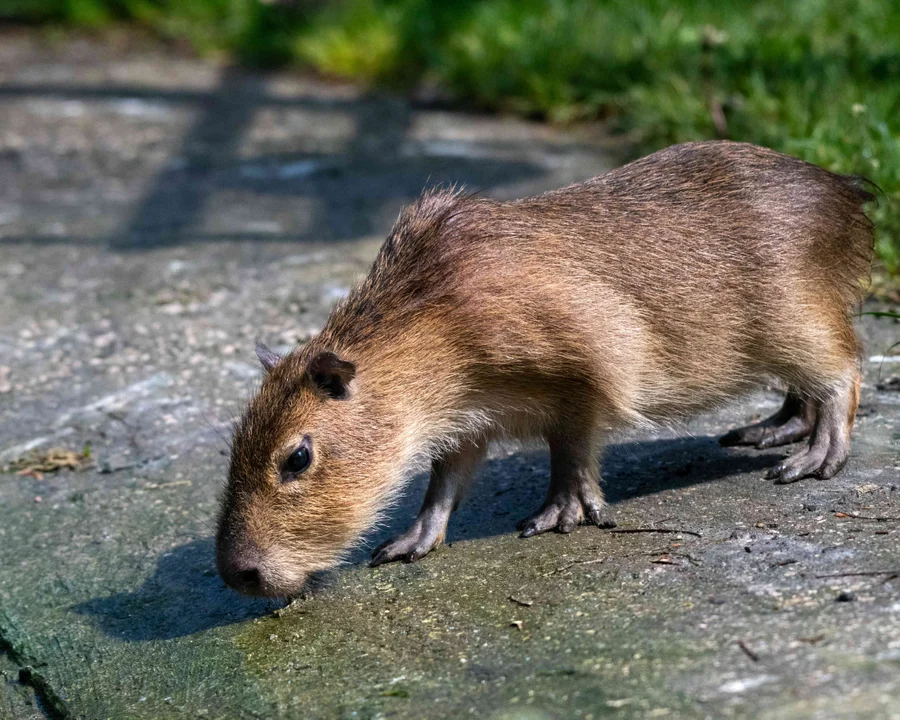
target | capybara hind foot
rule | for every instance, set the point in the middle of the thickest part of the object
(829, 445)
(793, 422)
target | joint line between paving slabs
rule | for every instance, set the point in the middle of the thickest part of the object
(51, 705)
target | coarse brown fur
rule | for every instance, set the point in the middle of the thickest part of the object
(650, 293)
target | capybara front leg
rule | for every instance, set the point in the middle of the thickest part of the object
(450, 478)
(574, 496)
(829, 444)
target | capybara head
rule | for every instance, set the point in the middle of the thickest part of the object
(309, 463)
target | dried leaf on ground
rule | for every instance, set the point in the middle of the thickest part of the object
(38, 462)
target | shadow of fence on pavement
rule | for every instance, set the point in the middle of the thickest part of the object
(348, 188)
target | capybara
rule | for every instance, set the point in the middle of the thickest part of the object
(647, 294)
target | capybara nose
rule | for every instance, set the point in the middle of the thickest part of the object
(248, 580)
(241, 571)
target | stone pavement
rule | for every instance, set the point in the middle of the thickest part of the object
(159, 214)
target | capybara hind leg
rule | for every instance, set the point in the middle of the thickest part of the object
(793, 422)
(829, 444)
(575, 496)
(450, 478)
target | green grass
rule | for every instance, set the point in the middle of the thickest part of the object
(819, 79)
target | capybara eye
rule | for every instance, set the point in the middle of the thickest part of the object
(297, 461)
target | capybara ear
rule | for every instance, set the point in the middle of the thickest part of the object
(331, 376)
(267, 357)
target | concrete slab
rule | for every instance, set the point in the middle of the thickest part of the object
(157, 216)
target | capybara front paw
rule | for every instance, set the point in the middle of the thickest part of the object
(408, 547)
(819, 462)
(565, 511)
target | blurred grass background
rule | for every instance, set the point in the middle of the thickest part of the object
(819, 79)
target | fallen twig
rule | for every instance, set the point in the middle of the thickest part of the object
(747, 651)
(573, 564)
(690, 558)
(812, 640)
(871, 573)
(789, 561)
(174, 483)
(666, 531)
(664, 557)
(854, 516)
(523, 603)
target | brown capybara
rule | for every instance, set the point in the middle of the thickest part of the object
(647, 294)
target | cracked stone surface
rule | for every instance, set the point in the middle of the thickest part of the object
(159, 214)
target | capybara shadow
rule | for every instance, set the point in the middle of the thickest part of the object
(183, 596)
